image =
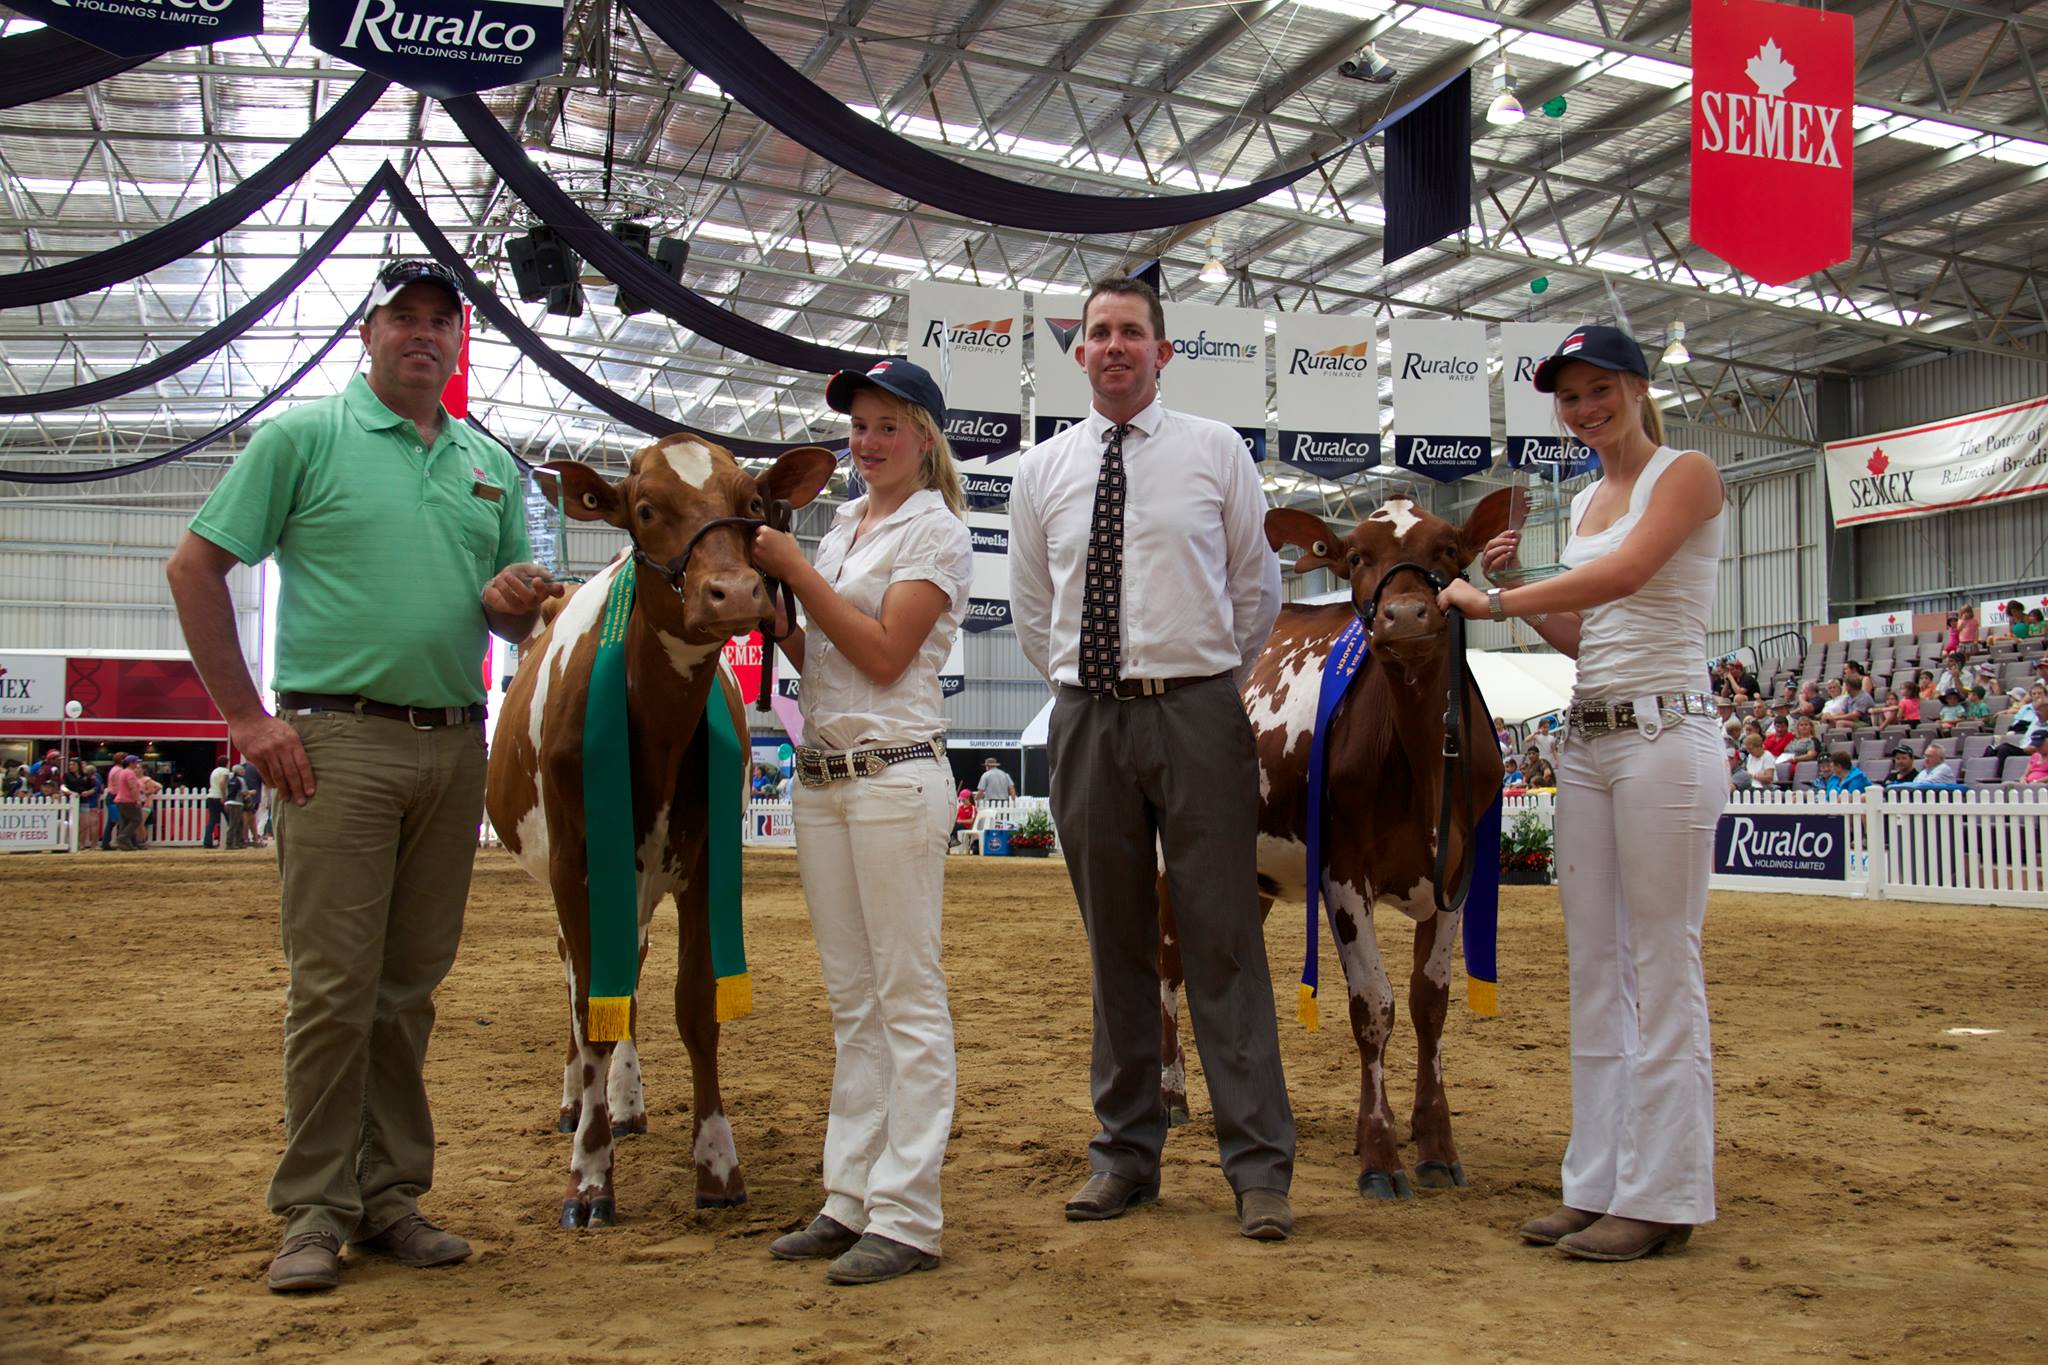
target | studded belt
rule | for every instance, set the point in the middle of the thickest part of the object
(1591, 718)
(822, 767)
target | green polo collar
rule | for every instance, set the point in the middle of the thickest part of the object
(368, 409)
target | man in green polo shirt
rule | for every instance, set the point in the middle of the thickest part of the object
(400, 541)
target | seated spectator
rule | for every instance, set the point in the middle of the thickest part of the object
(1951, 676)
(1778, 737)
(1809, 702)
(1852, 669)
(1837, 702)
(1935, 769)
(1904, 771)
(963, 810)
(1856, 706)
(2016, 619)
(1952, 711)
(1966, 630)
(1843, 776)
(2037, 625)
(1805, 745)
(1906, 710)
(1758, 768)
(1975, 706)
(2020, 720)
(1541, 776)
(2037, 757)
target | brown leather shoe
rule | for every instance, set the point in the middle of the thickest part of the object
(1107, 1195)
(1544, 1231)
(824, 1237)
(413, 1241)
(875, 1258)
(1615, 1238)
(307, 1261)
(1265, 1215)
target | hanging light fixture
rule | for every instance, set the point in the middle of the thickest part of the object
(1675, 353)
(1506, 110)
(1215, 272)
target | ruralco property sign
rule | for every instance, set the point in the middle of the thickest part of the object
(1760, 844)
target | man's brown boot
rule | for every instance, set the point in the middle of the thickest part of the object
(307, 1261)
(413, 1241)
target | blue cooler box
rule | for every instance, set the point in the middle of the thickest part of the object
(995, 843)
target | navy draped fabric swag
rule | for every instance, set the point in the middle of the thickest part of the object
(1427, 169)
(49, 62)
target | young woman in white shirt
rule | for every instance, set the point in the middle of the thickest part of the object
(1640, 789)
(874, 814)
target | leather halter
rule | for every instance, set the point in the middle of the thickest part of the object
(675, 573)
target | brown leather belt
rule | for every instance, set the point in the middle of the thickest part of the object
(418, 717)
(822, 767)
(1130, 689)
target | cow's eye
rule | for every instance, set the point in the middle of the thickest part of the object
(757, 508)
(646, 513)
(1355, 558)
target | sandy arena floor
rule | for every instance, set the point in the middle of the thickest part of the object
(1881, 1177)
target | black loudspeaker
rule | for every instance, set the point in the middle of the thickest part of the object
(669, 259)
(638, 236)
(540, 261)
(566, 300)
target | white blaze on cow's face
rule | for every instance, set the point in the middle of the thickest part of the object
(689, 458)
(1405, 616)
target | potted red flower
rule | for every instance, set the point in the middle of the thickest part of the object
(1034, 838)
(1525, 852)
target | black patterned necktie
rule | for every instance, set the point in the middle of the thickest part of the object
(1101, 646)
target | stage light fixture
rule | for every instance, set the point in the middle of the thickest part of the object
(1675, 353)
(1506, 110)
(1215, 272)
(1368, 66)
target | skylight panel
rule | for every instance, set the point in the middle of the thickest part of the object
(1651, 71)
(1350, 9)
(1932, 133)
(2018, 151)
(1457, 27)
(1543, 47)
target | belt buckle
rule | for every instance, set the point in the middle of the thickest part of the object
(810, 768)
(412, 716)
(868, 762)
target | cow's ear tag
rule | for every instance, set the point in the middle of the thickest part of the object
(590, 501)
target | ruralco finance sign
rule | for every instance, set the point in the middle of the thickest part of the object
(1765, 845)
(443, 48)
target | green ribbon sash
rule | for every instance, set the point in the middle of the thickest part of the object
(710, 768)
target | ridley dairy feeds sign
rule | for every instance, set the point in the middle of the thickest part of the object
(1772, 170)
(1989, 456)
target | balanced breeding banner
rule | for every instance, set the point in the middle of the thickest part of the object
(1059, 387)
(143, 28)
(1443, 404)
(1773, 174)
(972, 340)
(1535, 437)
(443, 48)
(1218, 368)
(1327, 389)
(988, 599)
(1980, 457)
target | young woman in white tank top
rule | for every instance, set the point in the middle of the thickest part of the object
(1641, 783)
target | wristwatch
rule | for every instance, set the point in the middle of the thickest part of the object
(1494, 608)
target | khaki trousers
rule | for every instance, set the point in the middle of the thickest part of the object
(376, 870)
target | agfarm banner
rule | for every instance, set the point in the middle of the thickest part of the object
(1772, 169)
(443, 48)
(988, 599)
(142, 28)
(1980, 457)
(1059, 388)
(972, 340)
(1326, 388)
(1219, 368)
(1535, 437)
(1443, 404)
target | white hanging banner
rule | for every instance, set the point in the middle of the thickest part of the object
(1534, 441)
(1218, 368)
(988, 600)
(1989, 456)
(1443, 405)
(1326, 387)
(953, 673)
(1059, 387)
(1875, 626)
(972, 340)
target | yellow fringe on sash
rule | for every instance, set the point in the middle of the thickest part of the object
(1482, 997)
(611, 1019)
(735, 997)
(1306, 1010)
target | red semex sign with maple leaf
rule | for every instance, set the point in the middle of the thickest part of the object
(1772, 167)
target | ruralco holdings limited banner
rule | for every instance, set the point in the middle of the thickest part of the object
(443, 48)
(1980, 457)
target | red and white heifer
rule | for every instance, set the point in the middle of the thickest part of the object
(1384, 779)
(534, 794)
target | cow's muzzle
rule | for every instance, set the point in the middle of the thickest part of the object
(1370, 615)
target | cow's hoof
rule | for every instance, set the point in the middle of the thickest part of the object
(1176, 1115)
(604, 1213)
(634, 1127)
(719, 1201)
(568, 1121)
(575, 1214)
(1381, 1185)
(1440, 1175)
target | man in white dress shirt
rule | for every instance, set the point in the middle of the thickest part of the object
(1144, 612)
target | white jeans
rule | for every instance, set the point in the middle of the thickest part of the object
(872, 854)
(1635, 843)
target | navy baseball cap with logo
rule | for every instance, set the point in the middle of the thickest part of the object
(895, 376)
(1608, 347)
(393, 279)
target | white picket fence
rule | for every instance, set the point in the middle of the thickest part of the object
(770, 824)
(1983, 847)
(180, 821)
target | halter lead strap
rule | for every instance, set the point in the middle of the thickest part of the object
(781, 516)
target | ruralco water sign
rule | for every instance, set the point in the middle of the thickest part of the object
(1759, 844)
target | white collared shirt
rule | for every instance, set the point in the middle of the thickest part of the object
(1201, 587)
(920, 541)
